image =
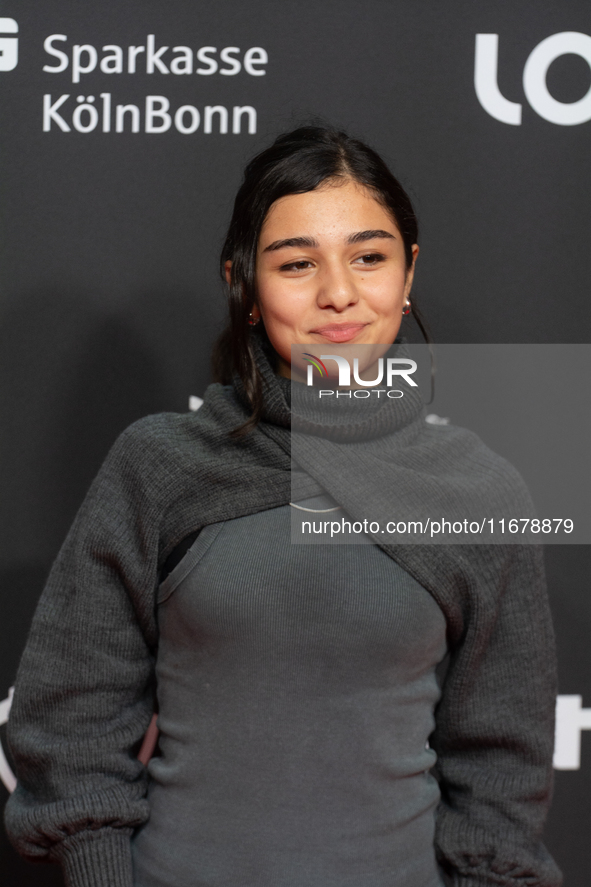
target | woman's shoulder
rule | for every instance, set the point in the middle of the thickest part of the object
(466, 455)
(164, 443)
(170, 429)
(156, 429)
(151, 439)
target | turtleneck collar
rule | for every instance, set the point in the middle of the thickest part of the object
(344, 418)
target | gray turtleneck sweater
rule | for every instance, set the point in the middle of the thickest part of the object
(85, 691)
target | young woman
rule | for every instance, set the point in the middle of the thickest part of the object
(374, 715)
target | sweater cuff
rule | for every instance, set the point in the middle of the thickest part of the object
(100, 858)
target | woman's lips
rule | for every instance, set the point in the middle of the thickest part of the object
(339, 332)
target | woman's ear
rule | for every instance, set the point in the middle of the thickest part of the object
(411, 271)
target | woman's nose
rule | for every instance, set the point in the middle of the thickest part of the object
(337, 288)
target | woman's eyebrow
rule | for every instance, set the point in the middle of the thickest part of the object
(358, 237)
(291, 241)
(361, 236)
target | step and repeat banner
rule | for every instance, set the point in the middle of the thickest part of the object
(124, 129)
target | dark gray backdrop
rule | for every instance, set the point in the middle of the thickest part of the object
(109, 294)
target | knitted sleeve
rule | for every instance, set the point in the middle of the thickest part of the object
(84, 689)
(495, 729)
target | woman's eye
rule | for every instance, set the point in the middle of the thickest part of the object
(296, 266)
(371, 259)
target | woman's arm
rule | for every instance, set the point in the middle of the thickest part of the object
(495, 730)
(84, 690)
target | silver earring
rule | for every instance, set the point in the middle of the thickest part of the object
(253, 320)
(407, 307)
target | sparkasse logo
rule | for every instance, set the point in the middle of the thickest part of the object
(8, 45)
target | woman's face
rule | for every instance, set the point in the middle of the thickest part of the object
(330, 268)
